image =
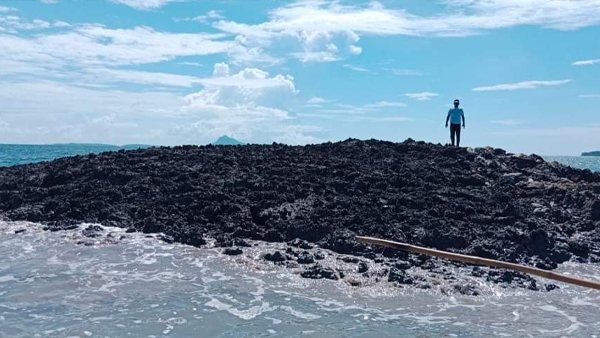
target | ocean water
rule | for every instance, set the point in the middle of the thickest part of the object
(64, 284)
(12, 154)
(115, 284)
(582, 162)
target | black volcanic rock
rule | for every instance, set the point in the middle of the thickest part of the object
(483, 201)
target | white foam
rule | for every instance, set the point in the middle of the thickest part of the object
(247, 314)
(299, 314)
(8, 278)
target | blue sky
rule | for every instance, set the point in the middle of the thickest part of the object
(185, 72)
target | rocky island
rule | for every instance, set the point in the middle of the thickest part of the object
(481, 201)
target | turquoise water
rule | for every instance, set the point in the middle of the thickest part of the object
(12, 154)
(582, 162)
(115, 284)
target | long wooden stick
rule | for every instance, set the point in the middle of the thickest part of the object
(479, 261)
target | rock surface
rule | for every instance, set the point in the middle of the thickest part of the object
(481, 202)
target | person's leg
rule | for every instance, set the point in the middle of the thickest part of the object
(452, 132)
(458, 135)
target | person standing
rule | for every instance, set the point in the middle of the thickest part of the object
(454, 116)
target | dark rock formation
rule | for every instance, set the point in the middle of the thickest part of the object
(277, 256)
(232, 251)
(481, 202)
(319, 272)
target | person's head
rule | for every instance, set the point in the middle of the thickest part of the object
(456, 103)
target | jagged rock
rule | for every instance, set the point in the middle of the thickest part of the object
(92, 231)
(319, 272)
(300, 243)
(275, 257)
(233, 251)
(399, 276)
(474, 201)
(305, 258)
(363, 267)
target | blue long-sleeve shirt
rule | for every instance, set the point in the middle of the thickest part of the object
(456, 114)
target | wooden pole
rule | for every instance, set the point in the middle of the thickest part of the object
(479, 261)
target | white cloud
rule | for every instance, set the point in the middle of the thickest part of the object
(105, 75)
(423, 96)
(13, 24)
(356, 68)
(195, 64)
(4, 9)
(313, 25)
(210, 15)
(248, 104)
(250, 87)
(404, 72)
(50, 112)
(522, 85)
(355, 50)
(386, 104)
(96, 45)
(589, 95)
(314, 56)
(144, 4)
(507, 122)
(316, 100)
(586, 62)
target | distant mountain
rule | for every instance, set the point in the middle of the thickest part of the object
(227, 141)
(591, 153)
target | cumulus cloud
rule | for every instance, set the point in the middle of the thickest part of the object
(586, 62)
(312, 26)
(248, 104)
(522, 85)
(423, 96)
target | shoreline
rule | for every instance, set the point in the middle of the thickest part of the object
(482, 202)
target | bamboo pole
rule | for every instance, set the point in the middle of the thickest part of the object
(479, 261)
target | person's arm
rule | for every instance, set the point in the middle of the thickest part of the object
(463, 117)
(447, 118)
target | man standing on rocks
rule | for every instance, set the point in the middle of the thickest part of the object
(455, 115)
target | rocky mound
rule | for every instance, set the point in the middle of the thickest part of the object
(482, 202)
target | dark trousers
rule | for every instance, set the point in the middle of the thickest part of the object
(455, 130)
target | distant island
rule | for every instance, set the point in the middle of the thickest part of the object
(227, 141)
(591, 153)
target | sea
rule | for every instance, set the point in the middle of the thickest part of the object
(117, 284)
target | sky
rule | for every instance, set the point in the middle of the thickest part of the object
(170, 72)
